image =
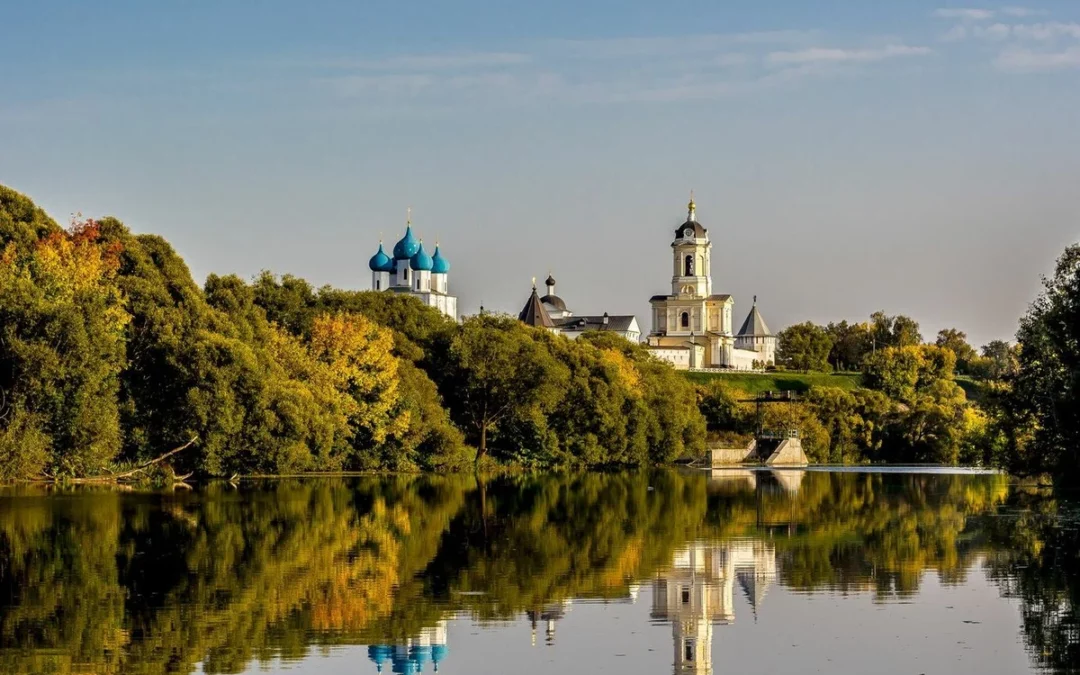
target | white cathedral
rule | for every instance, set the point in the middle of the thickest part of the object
(413, 272)
(692, 327)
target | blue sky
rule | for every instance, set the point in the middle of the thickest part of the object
(916, 157)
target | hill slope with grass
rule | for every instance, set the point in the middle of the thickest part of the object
(755, 383)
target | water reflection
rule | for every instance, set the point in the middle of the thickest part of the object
(412, 655)
(224, 578)
(697, 593)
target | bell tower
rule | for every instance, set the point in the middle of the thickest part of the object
(691, 257)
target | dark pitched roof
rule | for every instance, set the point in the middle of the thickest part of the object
(583, 323)
(754, 326)
(534, 314)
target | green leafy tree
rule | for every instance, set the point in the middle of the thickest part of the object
(850, 344)
(1047, 385)
(956, 341)
(855, 421)
(894, 331)
(902, 372)
(805, 347)
(499, 368)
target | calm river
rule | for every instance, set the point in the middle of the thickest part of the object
(637, 573)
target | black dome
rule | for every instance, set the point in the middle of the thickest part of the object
(698, 229)
(555, 301)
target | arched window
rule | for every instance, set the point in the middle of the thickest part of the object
(689, 266)
(685, 320)
(406, 273)
(417, 284)
(378, 285)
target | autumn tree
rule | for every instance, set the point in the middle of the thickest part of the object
(62, 322)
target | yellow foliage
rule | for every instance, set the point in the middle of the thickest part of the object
(359, 354)
(627, 372)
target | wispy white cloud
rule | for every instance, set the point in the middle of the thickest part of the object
(996, 31)
(413, 62)
(1046, 32)
(1021, 11)
(984, 14)
(615, 48)
(833, 55)
(1027, 60)
(965, 14)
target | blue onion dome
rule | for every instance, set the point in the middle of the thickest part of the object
(421, 261)
(407, 247)
(380, 654)
(380, 262)
(439, 264)
(438, 653)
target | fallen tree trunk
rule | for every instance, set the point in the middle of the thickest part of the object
(116, 477)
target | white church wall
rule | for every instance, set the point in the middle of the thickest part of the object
(678, 357)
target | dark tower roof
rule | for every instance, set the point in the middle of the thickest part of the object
(534, 314)
(754, 326)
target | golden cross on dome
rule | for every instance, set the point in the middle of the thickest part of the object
(408, 215)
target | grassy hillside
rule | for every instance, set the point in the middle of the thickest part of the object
(754, 383)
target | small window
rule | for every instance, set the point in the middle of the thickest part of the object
(689, 266)
(685, 320)
(378, 284)
(406, 273)
(417, 284)
(688, 650)
(686, 596)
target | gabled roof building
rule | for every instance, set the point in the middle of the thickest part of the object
(551, 312)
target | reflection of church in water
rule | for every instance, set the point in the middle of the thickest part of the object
(697, 593)
(412, 656)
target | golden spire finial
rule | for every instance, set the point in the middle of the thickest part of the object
(691, 208)
(534, 283)
(408, 215)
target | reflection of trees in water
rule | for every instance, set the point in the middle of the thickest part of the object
(108, 582)
(1035, 557)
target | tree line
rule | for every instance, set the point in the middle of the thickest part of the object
(111, 354)
(1023, 412)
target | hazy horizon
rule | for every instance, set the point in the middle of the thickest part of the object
(917, 159)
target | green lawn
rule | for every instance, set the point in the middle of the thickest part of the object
(755, 383)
